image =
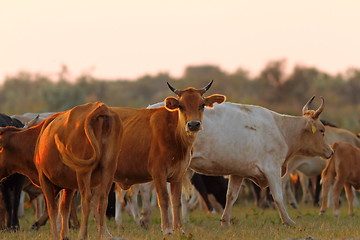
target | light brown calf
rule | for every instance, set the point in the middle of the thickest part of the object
(342, 169)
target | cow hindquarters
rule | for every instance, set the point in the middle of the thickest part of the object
(231, 196)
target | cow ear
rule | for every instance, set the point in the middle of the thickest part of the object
(215, 98)
(171, 103)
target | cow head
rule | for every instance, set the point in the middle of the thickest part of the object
(190, 104)
(313, 138)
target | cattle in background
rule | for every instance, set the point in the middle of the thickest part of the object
(35, 118)
(163, 137)
(256, 143)
(206, 185)
(313, 166)
(64, 164)
(11, 187)
(342, 170)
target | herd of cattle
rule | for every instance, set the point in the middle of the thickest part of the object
(90, 146)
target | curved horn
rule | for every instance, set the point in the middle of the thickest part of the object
(320, 109)
(207, 87)
(306, 106)
(176, 91)
(31, 122)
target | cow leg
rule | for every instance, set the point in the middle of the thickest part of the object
(184, 208)
(73, 221)
(199, 184)
(290, 194)
(102, 193)
(176, 204)
(21, 211)
(145, 190)
(41, 221)
(277, 193)
(163, 199)
(350, 198)
(339, 183)
(65, 206)
(231, 196)
(327, 180)
(134, 206)
(317, 191)
(17, 194)
(50, 196)
(85, 192)
(118, 205)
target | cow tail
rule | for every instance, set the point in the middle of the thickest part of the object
(80, 164)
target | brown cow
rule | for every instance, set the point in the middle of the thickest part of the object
(83, 140)
(159, 141)
(342, 169)
(157, 144)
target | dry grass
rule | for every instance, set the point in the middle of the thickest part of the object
(249, 222)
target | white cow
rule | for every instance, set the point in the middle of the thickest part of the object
(247, 141)
(313, 166)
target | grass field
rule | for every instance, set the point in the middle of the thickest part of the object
(249, 222)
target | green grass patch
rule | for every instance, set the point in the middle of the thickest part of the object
(248, 222)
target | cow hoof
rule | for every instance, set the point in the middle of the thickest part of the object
(144, 224)
(35, 226)
(168, 231)
(290, 223)
(224, 223)
(293, 205)
(322, 212)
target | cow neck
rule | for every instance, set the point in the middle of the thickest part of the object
(27, 165)
(291, 127)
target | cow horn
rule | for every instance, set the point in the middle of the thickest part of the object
(207, 86)
(176, 91)
(31, 122)
(306, 106)
(320, 109)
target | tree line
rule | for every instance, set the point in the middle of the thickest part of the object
(271, 88)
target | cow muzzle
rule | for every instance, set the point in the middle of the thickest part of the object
(193, 126)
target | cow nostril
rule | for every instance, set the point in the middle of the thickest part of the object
(193, 125)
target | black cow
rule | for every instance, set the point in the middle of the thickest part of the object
(11, 186)
(215, 185)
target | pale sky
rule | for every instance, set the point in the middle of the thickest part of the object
(114, 39)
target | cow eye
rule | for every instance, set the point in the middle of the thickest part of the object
(181, 108)
(202, 107)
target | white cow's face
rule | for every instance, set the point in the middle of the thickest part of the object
(313, 137)
(314, 140)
